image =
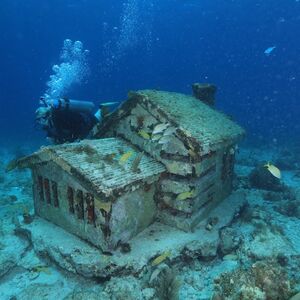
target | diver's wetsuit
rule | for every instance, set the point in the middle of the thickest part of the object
(68, 126)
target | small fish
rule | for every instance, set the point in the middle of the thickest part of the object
(156, 137)
(145, 135)
(39, 269)
(109, 103)
(273, 170)
(106, 206)
(123, 159)
(185, 195)
(269, 50)
(159, 259)
(165, 139)
(160, 128)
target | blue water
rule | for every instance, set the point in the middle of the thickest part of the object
(169, 44)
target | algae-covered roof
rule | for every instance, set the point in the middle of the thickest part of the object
(104, 165)
(204, 123)
(209, 127)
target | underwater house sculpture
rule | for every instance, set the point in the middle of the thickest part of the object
(160, 156)
(100, 190)
(195, 143)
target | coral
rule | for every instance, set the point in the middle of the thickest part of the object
(289, 208)
(164, 279)
(126, 288)
(264, 280)
(229, 240)
(84, 295)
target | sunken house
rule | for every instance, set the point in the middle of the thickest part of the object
(160, 156)
(100, 190)
(195, 143)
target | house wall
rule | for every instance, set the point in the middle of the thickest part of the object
(61, 199)
(141, 121)
(207, 178)
(132, 213)
(75, 217)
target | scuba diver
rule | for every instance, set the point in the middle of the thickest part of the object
(66, 120)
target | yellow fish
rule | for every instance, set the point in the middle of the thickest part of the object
(273, 170)
(39, 269)
(106, 206)
(145, 135)
(125, 157)
(185, 195)
(159, 259)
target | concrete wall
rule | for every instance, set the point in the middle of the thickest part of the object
(121, 220)
(61, 215)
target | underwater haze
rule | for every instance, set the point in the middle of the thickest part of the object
(176, 192)
(168, 45)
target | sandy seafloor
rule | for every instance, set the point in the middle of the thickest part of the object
(258, 255)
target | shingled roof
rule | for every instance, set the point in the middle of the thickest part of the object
(203, 122)
(98, 163)
(207, 125)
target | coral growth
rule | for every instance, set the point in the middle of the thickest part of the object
(263, 280)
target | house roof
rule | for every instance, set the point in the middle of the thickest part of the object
(204, 123)
(211, 128)
(104, 165)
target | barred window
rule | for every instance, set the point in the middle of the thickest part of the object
(89, 199)
(71, 200)
(47, 190)
(40, 188)
(79, 207)
(55, 193)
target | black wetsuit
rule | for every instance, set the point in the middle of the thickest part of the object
(68, 126)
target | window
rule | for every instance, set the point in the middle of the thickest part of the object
(89, 199)
(54, 193)
(71, 199)
(40, 188)
(47, 190)
(79, 204)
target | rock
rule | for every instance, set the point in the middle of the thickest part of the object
(12, 253)
(296, 297)
(263, 280)
(206, 249)
(87, 295)
(261, 178)
(124, 288)
(164, 280)
(229, 240)
(290, 208)
(249, 293)
(260, 247)
(66, 250)
(76, 256)
(148, 294)
(230, 257)
(38, 291)
(6, 263)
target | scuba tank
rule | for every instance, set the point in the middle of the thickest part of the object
(71, 105)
